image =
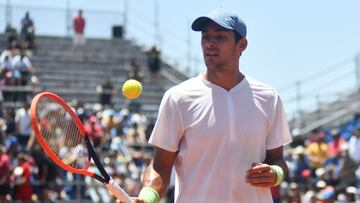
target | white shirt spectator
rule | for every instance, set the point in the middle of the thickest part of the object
(6, 64)
(4, 54)
(10, 53)
(22, 63)
(354, 148)
(22, 119)
(139, 118)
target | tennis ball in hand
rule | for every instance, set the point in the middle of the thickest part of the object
(131, 89)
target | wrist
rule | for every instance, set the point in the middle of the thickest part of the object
(279, 172)
(149, 195)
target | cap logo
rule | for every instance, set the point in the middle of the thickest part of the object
(223, 18)
(229, 20)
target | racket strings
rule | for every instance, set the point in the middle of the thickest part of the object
(61, 133)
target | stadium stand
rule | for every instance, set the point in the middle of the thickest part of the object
(120, 130)
(74, 74)
(121, 133)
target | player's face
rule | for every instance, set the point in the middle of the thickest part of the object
(220, 49)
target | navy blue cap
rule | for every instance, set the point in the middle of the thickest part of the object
(222, 17)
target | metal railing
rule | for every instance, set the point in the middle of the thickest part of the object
(99, 24)
(308, 93)
(58, 21)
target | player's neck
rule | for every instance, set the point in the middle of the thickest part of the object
(226, 79)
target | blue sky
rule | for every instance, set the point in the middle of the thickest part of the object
(289, 41)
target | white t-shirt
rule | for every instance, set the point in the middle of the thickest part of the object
(218, 135)
(4, 54)
(354, 148)
(22, 118)
(23, 64)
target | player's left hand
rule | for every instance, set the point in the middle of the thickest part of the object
(134, 200)
(260, 175)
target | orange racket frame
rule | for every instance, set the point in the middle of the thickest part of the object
(106, 179)
(42, 141)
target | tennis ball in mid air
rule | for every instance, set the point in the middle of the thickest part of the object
(131, 89)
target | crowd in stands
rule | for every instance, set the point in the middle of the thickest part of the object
(324, 166)
(28, 174)
(15, 70)
(15, 64)
(25, 39)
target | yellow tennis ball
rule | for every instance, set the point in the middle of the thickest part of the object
(131, 89)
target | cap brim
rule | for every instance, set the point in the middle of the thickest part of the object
(200, 22)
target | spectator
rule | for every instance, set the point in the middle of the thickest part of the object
(22, 73)
(5, 67)
(354, 146)
(301, 164)
(23, 174)
(354, 152)
(334, 146)
(149, 128)
(94, 130)
(105, 91)
(5, 168)
(135, 71)
(10, 53)
(154, 63)
(317, 151)
(309, 197)
(23, 125)
(23, 64)
(11, 35)
(347, 168)
(139, 118)
(26, 23)
(27, 32)
(108, 122)
(10, 75)
(136, 134)
(124, 125)
(352, 194)
(10, 126)
(79, 28)
(46, 174)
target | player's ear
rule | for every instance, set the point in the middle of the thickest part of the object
(242, 44)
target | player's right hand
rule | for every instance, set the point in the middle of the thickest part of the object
(260, 175)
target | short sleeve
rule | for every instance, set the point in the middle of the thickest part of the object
(279, 133)
(168, 128)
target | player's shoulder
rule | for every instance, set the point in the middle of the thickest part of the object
(189, 86)
(261, 88)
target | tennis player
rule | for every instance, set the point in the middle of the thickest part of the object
(222, 131)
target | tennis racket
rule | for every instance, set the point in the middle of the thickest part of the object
(62, 136)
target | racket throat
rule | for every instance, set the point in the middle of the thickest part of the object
(92, 155)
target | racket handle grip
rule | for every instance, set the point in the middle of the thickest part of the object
(118, 192)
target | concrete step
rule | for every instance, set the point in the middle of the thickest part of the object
(74, 73)
(75, 67)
